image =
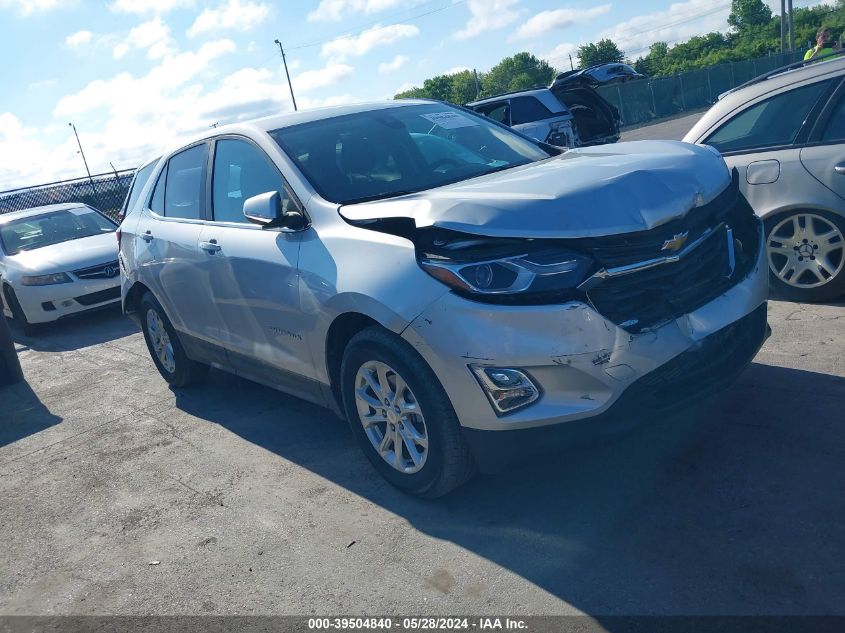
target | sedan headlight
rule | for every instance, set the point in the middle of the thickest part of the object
(46, 280)
(545, 272)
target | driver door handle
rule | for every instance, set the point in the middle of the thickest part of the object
(840, 168)
(147, 237)
(211, 246)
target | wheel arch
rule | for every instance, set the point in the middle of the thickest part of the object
(340, 332)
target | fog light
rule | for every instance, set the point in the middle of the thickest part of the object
(507, 389)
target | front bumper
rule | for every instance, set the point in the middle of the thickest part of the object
(706, 368)
(582, 362)
(66, 299)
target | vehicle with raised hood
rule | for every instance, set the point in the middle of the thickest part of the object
(57, 261)
(568, 113)
(460, 293)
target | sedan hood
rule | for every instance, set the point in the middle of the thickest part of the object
(68, 256)
(590, 192)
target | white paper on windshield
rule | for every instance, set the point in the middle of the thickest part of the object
(80, 210)
(449, 120)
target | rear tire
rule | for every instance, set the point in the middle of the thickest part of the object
(164, 346)
(18, 316)
(388, 386)
(806, 255)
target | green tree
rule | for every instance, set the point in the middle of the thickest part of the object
(457, 88)
(519, 72)
(653, 63)
(604, 52)
(747, 15)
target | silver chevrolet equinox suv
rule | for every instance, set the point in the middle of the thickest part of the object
(461, 293)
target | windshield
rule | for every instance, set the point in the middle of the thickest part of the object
(393, 151)
(37, 231)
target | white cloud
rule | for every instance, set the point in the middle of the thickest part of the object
(141, 7)
(332, 73)
(454, 70)
(487, 15)
(559, 55)
(128, 118)
(154, 36)
(405, 86)
(28, 7)
(680, 21)
(235, 15)
(368, 40)
(335, 10)
(394, 65)
(545, 21)
(80, 38)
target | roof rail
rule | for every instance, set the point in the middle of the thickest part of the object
(783, 69)
(510, 92)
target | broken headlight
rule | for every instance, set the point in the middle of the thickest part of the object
(535, 274)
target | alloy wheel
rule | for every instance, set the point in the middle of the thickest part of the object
(391, 416)
(160, 341)
(806, 250)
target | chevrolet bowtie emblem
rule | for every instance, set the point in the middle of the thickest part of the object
(675, 243)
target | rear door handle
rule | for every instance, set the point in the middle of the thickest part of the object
(147, 237)
(840, 168)
(211, 246)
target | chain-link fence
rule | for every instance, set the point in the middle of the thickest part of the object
(658, 97)
(104, 192)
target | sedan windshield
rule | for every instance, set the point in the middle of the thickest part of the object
(394, 151)
(37, 231)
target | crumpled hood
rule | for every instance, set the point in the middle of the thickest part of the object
(68, 256)
(588, 192)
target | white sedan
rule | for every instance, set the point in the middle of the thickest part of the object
(56, 261)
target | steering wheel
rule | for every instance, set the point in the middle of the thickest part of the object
(440, 162)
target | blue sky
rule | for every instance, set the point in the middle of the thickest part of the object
(135, 75)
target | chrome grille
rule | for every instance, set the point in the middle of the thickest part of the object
(108, 270)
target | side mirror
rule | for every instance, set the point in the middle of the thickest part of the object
(266, 210)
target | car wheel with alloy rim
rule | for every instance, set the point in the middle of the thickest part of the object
(164, 346)
(806, 255)
(401, 416)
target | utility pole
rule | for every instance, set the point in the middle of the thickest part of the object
(83, 157)
(571, 65)
(791, 26)
(783, 19)
(477, 87)
(285, 62)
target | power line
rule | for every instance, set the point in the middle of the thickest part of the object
(380, 28)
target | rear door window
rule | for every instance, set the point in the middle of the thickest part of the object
(834, 132)
(528, 110)
(773, 122)
(185, 184)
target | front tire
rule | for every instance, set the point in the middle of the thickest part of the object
(806, 255)
(18, 315)
(165, 348)
(401, 416)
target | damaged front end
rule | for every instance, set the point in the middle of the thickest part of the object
(639, 280)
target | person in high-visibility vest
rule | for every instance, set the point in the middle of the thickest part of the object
(823, 46)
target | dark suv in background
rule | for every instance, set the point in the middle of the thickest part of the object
(569, 113)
